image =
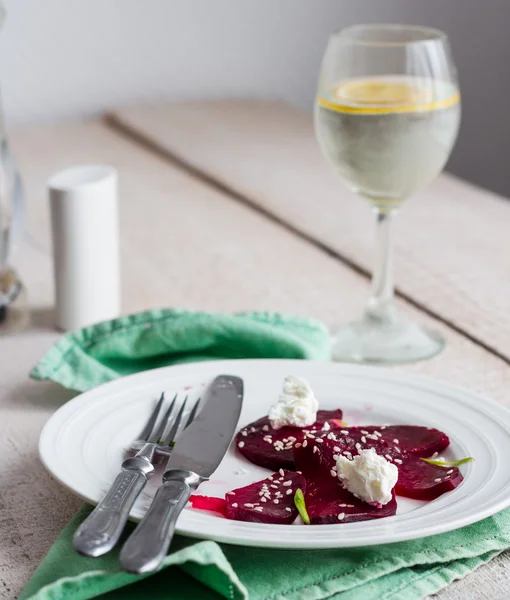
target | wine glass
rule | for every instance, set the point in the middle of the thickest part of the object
(387, 115)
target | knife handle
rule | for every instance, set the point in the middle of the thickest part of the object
(147, 546)
(101, 530)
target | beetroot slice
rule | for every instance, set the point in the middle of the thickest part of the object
(257, 441)
(420, 441)
(416, 478)
(423, 481)
(327, 501)
(268, 501)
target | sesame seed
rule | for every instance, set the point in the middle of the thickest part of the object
(378, 433)
(341, 516)
(364, 432)
(438, 480)
(275, 487)
(315, 449)
(299, 472)
(240, 445)
(244, 433)
(235, 505)
(359, 446)
(397, 460)
(248, 505)
(319, 441)
(342, 505)
(344, 431)
(350, 506)
(259, 508)
(305, 443)
(346, 453)
(449, 472)
(263, 499)
(265, 428)
(276, 501)
(231, 493)
(286, 483)
(270, 477)
(282, 472)
(397, 449)
(383, 427)
(336, 456)
(288, 492)
(253, 430)
(387, 457)
(435, 453)
(288, 509)
(364, 439)
(326, 426)
(297, 446)
(336, 448)
(333, 473)
(395, 441)
(291, 438)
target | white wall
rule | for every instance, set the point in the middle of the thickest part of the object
(66, 58)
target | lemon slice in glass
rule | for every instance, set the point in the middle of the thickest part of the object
(380, 92)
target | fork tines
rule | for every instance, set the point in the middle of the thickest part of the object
(170, 425)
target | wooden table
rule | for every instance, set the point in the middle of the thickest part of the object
(228, 206)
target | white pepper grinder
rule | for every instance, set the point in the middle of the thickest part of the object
(85, 230)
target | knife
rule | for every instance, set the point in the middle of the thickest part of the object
(196, 455)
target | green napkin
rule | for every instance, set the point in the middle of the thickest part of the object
(205, 569)
(97, 354)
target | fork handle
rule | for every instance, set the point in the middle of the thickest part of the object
(101, 530)
(147, 546)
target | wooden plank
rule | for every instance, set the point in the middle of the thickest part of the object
(451, 241)
(183, 244)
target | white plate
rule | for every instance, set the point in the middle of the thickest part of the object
(83, 444)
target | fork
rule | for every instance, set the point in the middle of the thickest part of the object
(101, 530)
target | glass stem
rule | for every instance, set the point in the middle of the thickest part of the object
(381, 306)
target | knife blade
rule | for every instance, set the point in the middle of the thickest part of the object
(196, 455)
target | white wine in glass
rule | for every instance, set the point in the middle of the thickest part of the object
(387, 115)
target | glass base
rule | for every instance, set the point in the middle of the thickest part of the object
(372, 341)
(14, 314)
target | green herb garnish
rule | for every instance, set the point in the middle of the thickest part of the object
(447, 463)
(299, 501)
